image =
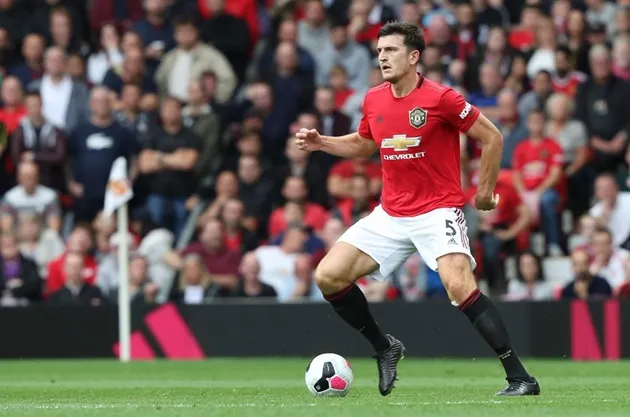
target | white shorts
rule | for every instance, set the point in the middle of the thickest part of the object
(391, 240)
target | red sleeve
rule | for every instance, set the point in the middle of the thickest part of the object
(457, 111)
(364, 125)
(193, 248)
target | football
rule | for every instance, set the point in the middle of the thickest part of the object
(329, 375)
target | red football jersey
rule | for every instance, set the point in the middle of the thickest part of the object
(569, 84)
(418, 137)
(535, 160)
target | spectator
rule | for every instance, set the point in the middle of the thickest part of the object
(94, 146)
(80, 242)
(132, 114)
(583, 237)
(601, 12)
(342, 172)
(205, 123)
(566, 79)
(64, 100)
(33, 66)
(155, 244)
(599, 103)
(340, 49)
(189, 61)
(313, 30)
(295, 191)
(65, 31)
(439, 35)
(496, 53)
(13, 16)
(142, 291)
(75, 289)
(170, 155)
(359, 205)
(226, 188)
(333, 122)
(107, 277)
(132, 71)
(76, 68)
(237, 237)
(537, 98)
(13, 103)
(611, 209)
(516, 79)
(248, 144)
(40, 245)
(577, 42)
(250, 285)
(108, 56)
(332, 231)
(20, 283)
(585, 285)
(197, 285)
(608, 261)
(539, 180)
(286, 268)
(155, 31)
(221, 262)
(543, 58)
(294, 214)
(255, 191)
(229, 34)
(486, 99)
(531, 284)
(621, 57)
(31, 197)
(512, 126)
(339, 84)
(37, 140)
(500, 229)
(300, 164)
(572, 137)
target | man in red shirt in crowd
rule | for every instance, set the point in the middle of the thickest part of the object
(500, 228)
(13, 100)
(295, 191)
(340, 177)
(358, 205)
(415, 123)
(566, 80)
(79, 242)
(538, 164)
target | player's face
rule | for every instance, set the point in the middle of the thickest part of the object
(394, 58)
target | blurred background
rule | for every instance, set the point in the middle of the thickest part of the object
(203, 98)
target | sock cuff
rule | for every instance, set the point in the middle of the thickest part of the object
(340, 294)
(472, 298)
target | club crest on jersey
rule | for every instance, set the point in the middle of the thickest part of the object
(417, 117)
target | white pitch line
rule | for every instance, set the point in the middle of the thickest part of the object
(131, 406)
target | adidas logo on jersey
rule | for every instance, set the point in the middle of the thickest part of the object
(452, 242)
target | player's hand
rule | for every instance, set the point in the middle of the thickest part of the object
(486, 202)
(308, 140)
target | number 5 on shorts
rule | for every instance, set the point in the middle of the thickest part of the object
(450, 230)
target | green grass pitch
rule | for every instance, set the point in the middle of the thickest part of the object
(275, 387)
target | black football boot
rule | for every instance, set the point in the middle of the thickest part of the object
(518, 388)
(387, 360)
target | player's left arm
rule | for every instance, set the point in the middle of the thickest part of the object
(491, 150)
(469, 120)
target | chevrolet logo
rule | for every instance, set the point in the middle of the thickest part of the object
(400, 142)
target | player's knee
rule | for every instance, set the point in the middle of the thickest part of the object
(328, 279)
(457, 277)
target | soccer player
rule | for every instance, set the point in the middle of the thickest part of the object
(415, 123)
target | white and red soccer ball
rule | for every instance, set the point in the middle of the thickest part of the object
(329, 375)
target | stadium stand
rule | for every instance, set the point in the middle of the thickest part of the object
(203, 96)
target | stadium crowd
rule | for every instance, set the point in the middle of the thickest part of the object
(203, 98)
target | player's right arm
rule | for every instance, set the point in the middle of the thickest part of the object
(360, 143)
(348, 146)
